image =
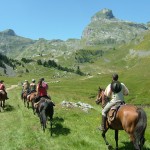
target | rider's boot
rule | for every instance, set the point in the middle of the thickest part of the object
(103, 124)
(6, 96)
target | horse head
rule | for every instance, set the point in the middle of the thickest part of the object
(101, 98)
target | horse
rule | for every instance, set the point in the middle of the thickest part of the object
(45, 109)
(131, 119)
(30, 99)
(24, 97)
(2, 99)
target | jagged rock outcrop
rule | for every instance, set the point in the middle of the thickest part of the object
(104, 28)
(9, 32)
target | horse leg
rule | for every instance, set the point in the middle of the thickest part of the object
(106, 142)
(0, 105)
(27, 104)
(51, 124)
(33, 107)
(135, 142)
(3, 104)
(116, 139)
(24, 102)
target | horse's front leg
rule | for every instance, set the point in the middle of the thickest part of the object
(106, 142)
(116, 139)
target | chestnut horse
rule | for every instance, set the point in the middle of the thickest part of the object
(31, 98)
(129, 118)
(24, 97)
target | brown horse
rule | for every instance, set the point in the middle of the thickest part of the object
(24, 97)
(129, 118)
(2, 99)
(30, 99)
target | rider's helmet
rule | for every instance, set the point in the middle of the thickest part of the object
(33, 80)
(116, 86)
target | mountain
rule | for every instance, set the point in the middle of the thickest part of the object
(105, 41)
(104, 29)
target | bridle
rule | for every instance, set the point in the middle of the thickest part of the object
(101, 98)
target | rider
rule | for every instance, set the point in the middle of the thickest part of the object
(41, 92)
(2, 87)
(41, 89)
(32, 86)
(25, 87)
(115, 91)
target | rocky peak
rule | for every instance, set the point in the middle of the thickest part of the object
(103, 14)
(9, 32)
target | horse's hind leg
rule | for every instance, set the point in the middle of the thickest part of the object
(135, 142)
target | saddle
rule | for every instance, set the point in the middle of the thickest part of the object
(111, 115)
(2, 92)
(48, 100)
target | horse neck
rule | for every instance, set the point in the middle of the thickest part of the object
(104, 99)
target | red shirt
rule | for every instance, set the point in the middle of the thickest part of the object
(2, 87)
(42, 91)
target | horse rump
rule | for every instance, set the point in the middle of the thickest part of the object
(46, 109)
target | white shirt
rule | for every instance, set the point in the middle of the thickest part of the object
(116, 96)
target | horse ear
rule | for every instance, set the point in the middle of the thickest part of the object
(99, 88)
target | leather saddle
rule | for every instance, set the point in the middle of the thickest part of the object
(113, 111)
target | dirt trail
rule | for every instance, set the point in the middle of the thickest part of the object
(11, 87)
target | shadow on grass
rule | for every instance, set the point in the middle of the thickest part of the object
(57, 128)
(9, 108)
(129, 145)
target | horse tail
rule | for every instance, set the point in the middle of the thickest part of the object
(140, 127)
(43, 115)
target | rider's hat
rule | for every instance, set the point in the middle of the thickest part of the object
(1, 81)
(116, 86)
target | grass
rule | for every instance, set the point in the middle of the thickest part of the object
(72, 128)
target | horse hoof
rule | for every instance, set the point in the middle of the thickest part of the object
(110, 147)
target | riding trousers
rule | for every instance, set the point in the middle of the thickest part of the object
(109, 105)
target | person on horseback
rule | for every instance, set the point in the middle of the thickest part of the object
(25, 87)
(115, 92)
(41, 89)
(32, 86)
(2, 87)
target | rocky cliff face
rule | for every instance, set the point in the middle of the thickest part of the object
(104, 28)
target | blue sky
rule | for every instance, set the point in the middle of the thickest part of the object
(63, 19)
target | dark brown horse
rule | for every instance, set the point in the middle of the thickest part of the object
(45, 110)
(2, 99)
(129, 118)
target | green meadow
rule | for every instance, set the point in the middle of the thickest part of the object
(73, 128)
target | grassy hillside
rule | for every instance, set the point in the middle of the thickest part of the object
(72, 128)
